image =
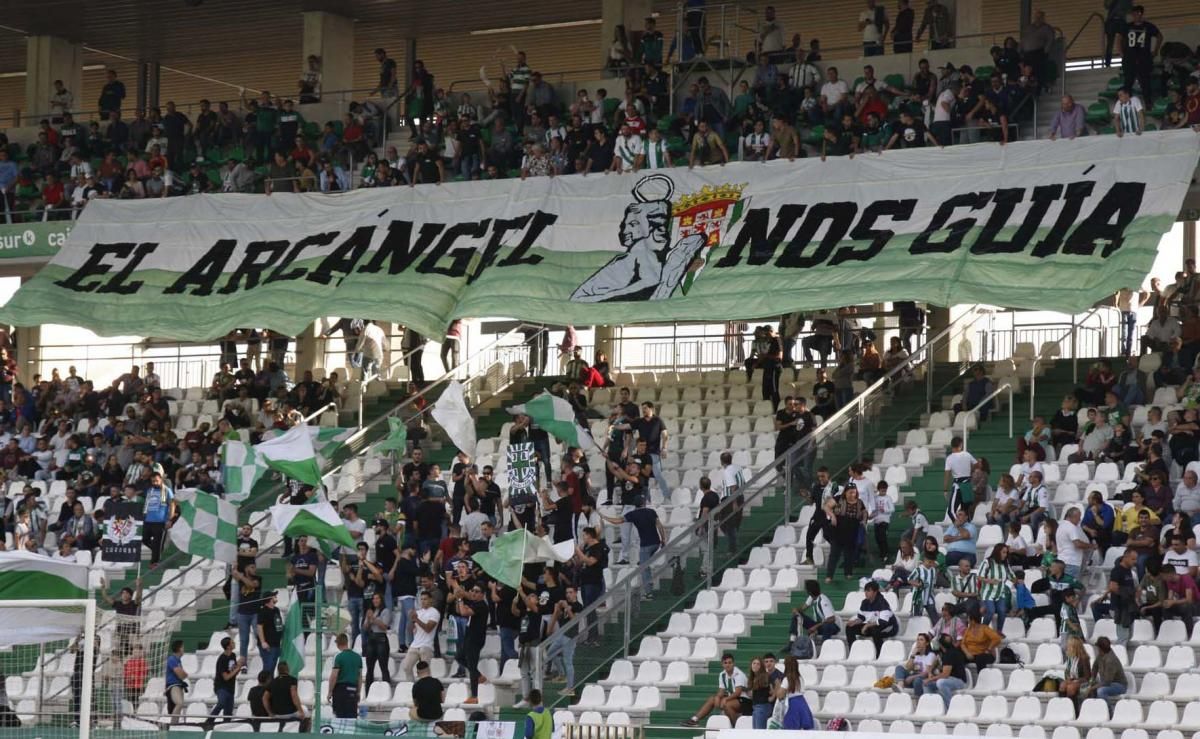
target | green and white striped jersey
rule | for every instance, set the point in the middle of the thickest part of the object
(999, 571)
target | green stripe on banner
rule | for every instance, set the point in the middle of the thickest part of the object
(306, 524)
(977, 223)
(25, 584)
(304, 470)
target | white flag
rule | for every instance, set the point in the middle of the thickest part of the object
(452, 413)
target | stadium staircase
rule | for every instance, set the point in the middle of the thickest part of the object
(901, 415)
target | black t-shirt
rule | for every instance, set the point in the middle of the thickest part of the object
(250, 594)
(632, 491)
(126, 609)
(788, 434)
(912, 135)
(601, 155)
(412, 468)
(385, 551)
(650, 429)
(387, 74)
(427, 165)
(225, 663)
(823, 393)
(531, 626)
(644, 520)
(352, 588)
(430, 515)
(281, 695)
(271, 621)
(488, 501)
(306, 560)
(1139, 40)
(1123, 578)
(427, 698)
(478, 622)
(709, 501)
(245, 544)
(405, 581)
(255, 697)
(956, 661)
(469, 138)
(460, 490)
(594, 574)
(574, 610)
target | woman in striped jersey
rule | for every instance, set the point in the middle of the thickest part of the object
(995, 586)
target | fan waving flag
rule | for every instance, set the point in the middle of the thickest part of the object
(292, 454)
(512, 551)
(240, 467)
(556, 417)
(318, 520)
(453, 415)
(206, 527)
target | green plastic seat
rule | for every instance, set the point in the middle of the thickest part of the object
(896, 81)
(1107, 130)
(610, 107)
(815, 135)
(1160, 108)
(985, 72)
(1098, 113)
(1115, 83)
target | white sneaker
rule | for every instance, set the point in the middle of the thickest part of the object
(521, 704)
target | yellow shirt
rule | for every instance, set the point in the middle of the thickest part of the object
(1127, 519)
(980, 639)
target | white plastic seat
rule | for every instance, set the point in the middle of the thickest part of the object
(930, 706)
(1127, 713)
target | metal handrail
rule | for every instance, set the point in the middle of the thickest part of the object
(1075, 325)
(1067, 47)
(763, 479)
(968, 414)
(358, 435)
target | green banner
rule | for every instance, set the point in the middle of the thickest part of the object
(1052, 225)
(27, 240)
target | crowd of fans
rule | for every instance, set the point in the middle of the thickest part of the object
(784, 106)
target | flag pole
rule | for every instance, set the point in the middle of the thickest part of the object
(320, 602)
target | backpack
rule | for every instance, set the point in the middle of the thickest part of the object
(678, 585)
(1008, 656)
(802, 647)
(1048, 684)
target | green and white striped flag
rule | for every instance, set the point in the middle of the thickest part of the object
(555, 416)
(29, 576)
(207, 526)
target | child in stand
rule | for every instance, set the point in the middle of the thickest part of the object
(881, 519)
(1023, 601)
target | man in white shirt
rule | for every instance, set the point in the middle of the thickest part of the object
(770, 33)
(1029, 464)
(943, 107)
(656, 155)
(873, 22)
(1161, 329)
(424, 622)
(1178, 555)
(732, 691)
(834, 94)
(1129, 115)
(627, 151)
(1073, 544)
(957, 479)
(370, 345)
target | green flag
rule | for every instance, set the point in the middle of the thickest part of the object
(397, 436)
(511, 551)
(555, 416)
(292, 646)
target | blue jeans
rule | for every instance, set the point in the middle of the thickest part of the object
(947, 687)
(235, 597)
(1110, 691)
(591, 594)
(508, 645)
(762, 712)
(644, 555)
(998, 608)
(270, 658)
(1072, 570)
(953, 558)
(918, 683)
(663, 487)
(627, 536)
(404, 604)
(562, 655)
(1128, 329)
(247, 625)
(427, 545)
(355, 607)
(469, 164)
(224, 703)
(460, 641)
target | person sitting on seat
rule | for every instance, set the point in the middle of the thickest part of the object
(875, 619)
(732, 697)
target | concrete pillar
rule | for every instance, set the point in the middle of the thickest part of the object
(605, 342)
(309, 351)
(938, 319)
(330, 37)
(49, 58)
(630, 13)
(968, 21)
